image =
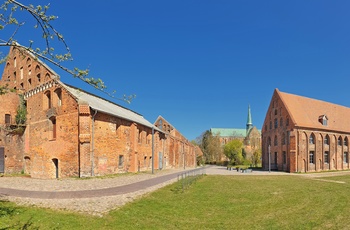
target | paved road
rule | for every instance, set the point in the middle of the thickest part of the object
(111, 191)
(118, 190)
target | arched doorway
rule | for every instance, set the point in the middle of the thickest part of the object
(55, 162)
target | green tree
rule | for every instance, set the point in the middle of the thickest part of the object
(233, 151)
(11, 21)
(211, 147)
(256, 157)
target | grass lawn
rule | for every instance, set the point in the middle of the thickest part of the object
(212, 202)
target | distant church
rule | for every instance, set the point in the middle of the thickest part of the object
(250, 136)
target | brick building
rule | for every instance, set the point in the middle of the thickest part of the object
(301, 134)
(250, 136)
(70, 132)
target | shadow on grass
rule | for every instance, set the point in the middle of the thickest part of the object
(8, 210)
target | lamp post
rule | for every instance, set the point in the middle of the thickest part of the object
(269, 158)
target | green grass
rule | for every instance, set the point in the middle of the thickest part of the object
(212, 202)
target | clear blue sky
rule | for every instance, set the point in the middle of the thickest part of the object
(200, 63)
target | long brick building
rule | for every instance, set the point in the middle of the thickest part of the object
(70, 132)
(301, 134)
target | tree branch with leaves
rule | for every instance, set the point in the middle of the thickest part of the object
(43, 23)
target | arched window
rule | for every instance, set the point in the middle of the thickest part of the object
(346, 141)
(53, 128)
(326, 140)
(312, 139)
(58, 97)
(276, 123)
(339, 141)
(275, 142)
(283, 138)
(47, 100)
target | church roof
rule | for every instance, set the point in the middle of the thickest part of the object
(226, 132)
(306, 112)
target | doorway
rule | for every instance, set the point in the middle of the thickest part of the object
(55, 162)
(2, 159)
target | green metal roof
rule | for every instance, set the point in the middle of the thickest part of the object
(223, 132)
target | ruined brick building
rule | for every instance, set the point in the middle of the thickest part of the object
(301, 134)
(69, 132)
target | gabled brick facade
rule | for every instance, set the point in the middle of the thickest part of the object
(305, 135)
(66, 135)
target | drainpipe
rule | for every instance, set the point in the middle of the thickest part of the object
(152, 150)
(92, 144)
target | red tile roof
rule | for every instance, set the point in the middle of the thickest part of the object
(305, 112)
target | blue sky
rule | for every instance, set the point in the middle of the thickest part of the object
(200, 63)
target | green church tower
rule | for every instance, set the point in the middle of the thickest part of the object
(249, 122)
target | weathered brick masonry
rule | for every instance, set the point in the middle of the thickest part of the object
(69, 132)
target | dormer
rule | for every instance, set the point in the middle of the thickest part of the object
(323, 120)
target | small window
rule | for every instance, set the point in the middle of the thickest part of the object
(326, 157)
(275, 111)
(283, 138)
(7, 119)
(53, 126)
(323, 120)
(275, 141)
(121, 161)
(276, 123)
(287, 122)
(311, 157)
(270, 124)
(312, 139)
(47, 100)
(38, 77)
(346, 141)
(21, 72)
(346, 157)
(281, 122)
(326, 140)
(339, 142)
(58, 97)
(284, 157)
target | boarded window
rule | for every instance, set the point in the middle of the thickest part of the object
(2, 159)
(7, 119)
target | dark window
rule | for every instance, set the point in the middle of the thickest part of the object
(270, 124)
(284, 157)
(54, 131)
(287, 122)
(121, 161)
(326, 140)
(346, 141)
(276, 123)
(281, 122)
(339, 141)
(283, 138)
(275, 141)
(7, 119)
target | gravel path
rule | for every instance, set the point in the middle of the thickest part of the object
(102, 201)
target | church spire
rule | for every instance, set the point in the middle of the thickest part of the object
(249, 121)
